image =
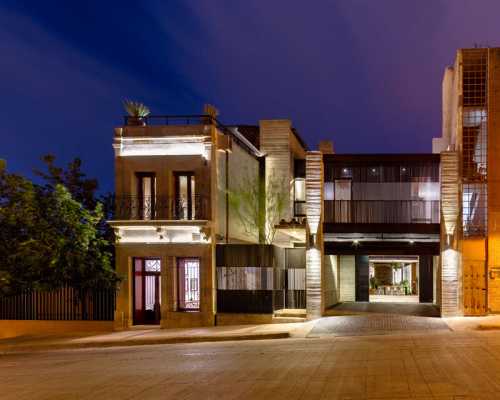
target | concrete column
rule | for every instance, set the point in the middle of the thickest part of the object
(164, 288)
(123, 312)
(450, 258)
(315, 304)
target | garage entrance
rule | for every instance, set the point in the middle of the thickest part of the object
(395, 279)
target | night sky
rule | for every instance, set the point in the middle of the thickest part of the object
(363, 73)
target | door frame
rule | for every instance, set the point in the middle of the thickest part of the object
(140, 319)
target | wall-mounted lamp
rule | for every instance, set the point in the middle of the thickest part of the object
(312, 240)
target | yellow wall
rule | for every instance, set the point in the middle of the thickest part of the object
(493, 271)
(13, 328)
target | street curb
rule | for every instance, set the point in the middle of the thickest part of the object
(143, 342)
(488, 327)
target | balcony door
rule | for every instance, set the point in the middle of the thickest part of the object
(146, 197)
(185, 195)
(147, 291)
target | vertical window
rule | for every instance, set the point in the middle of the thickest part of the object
(185, 195)
(188, 273)
(299, 189)
(343, 189)
(146, 183)
(329, 191)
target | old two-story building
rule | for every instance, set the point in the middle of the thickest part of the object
(232, 224)
(186, 254)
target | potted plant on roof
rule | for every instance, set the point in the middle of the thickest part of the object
(137, 112)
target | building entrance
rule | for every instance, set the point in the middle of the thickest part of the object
(381, 278)
(147, 293)
(394, 279)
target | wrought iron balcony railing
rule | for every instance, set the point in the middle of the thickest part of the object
(382, 211)
(161, 208)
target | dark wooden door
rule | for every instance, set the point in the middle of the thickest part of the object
(361, 278)
(425, 279)
(147, 291)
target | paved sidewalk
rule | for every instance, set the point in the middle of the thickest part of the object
(358, 325)
(134, 337)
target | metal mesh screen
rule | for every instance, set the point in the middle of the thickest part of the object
(474, 142)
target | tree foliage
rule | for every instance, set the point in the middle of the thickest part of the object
(49, 239)
(259, 206)
(82, 189)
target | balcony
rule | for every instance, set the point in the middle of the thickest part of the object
(148, 208)
(382, 211)
(162, 120)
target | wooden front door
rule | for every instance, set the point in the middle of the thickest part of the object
(147, 291)
(474, 287)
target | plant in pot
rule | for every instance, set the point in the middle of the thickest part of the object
(137, 112)
(406, 287)
(373, 284)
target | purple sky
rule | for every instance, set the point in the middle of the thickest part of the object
(363, 73)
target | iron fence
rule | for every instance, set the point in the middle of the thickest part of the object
(61, 304)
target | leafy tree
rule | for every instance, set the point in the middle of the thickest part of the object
(259, 207)
(82, 189)
(48, 239)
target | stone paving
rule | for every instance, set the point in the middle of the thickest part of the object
(375, 324)
(416, 309)
(442, 365)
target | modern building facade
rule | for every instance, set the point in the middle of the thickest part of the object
(231, 224)
(469, 149)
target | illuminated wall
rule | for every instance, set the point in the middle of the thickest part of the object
(314, 253)
(450, 257)
(493, 267)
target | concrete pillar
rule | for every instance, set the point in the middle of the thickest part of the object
(450, 258)
(123, 312)
(315, 304)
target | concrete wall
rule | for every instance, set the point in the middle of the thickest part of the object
(13, 328)
(275, 142)
(347, 278)
(331, 278)
(243, 170)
